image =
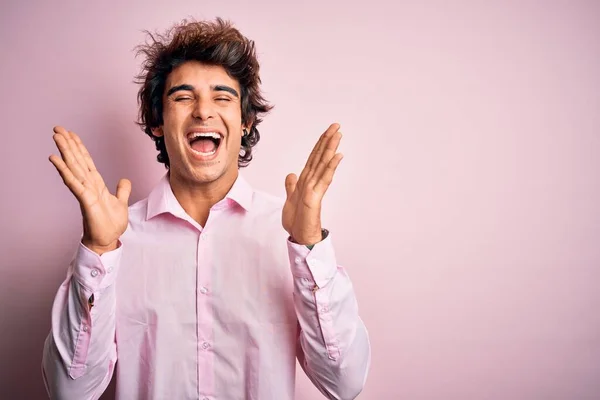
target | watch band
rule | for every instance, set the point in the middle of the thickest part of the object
(324, 234)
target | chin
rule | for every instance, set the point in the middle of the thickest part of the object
(204, 174)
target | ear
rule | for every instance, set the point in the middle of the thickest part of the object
(247, 126)
(158, 131)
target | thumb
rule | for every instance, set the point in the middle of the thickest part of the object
(123, 190)
(290, 184)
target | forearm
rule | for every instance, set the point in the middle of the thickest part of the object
(333, 339)
(80, 352)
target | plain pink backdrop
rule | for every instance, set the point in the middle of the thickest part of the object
(466, 209)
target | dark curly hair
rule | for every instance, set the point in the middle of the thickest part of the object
(214, 43)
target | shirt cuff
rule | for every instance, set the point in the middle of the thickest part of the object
(96, 272)
(318, 264)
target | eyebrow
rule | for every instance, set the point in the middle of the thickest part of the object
(180, 87)
(223, 88)
(216, 88)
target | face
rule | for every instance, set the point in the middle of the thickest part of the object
(202, 124)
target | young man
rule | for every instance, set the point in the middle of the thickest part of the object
(207, 289)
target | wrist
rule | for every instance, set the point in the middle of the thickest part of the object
(100, 249)
(311, 240)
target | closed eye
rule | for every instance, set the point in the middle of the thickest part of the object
(182, 98)
(223, 99)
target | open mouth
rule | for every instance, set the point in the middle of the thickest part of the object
(204, 144)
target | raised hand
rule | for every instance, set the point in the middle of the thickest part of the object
(301, 215)
(104, 215)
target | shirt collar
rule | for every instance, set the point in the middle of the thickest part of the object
(162, 200)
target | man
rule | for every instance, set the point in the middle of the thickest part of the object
(207, 289)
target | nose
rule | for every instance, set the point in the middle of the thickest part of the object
(203, 109)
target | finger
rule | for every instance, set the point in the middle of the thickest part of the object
(310, 163)
(59, 129)
(74, 185)
(318, 149)
(77, 153)
(123, 190)
(89, 162)
(327, 177)
(68, 139)
(73, 148)
(290, 184)
(328, 152)
(68, 157)
(83, 171)
(314, 150)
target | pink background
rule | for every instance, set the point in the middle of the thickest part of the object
(466, 209)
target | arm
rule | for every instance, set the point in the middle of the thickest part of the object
(80, 351)
(334, 348)
(333, 344)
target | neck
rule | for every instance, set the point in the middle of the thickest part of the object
(198, 198)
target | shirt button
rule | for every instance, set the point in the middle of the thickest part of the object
(298, 260)
(85, 328)
(205, 345)
(324, 309)
(94, 273)
(203, 290)
(109, 270)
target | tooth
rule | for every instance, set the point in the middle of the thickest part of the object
(214, 135)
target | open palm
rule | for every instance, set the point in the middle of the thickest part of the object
(105, 215)
(301, 216)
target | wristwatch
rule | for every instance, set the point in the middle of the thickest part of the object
(324, 234)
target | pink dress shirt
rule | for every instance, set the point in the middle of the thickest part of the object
(219, 312)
